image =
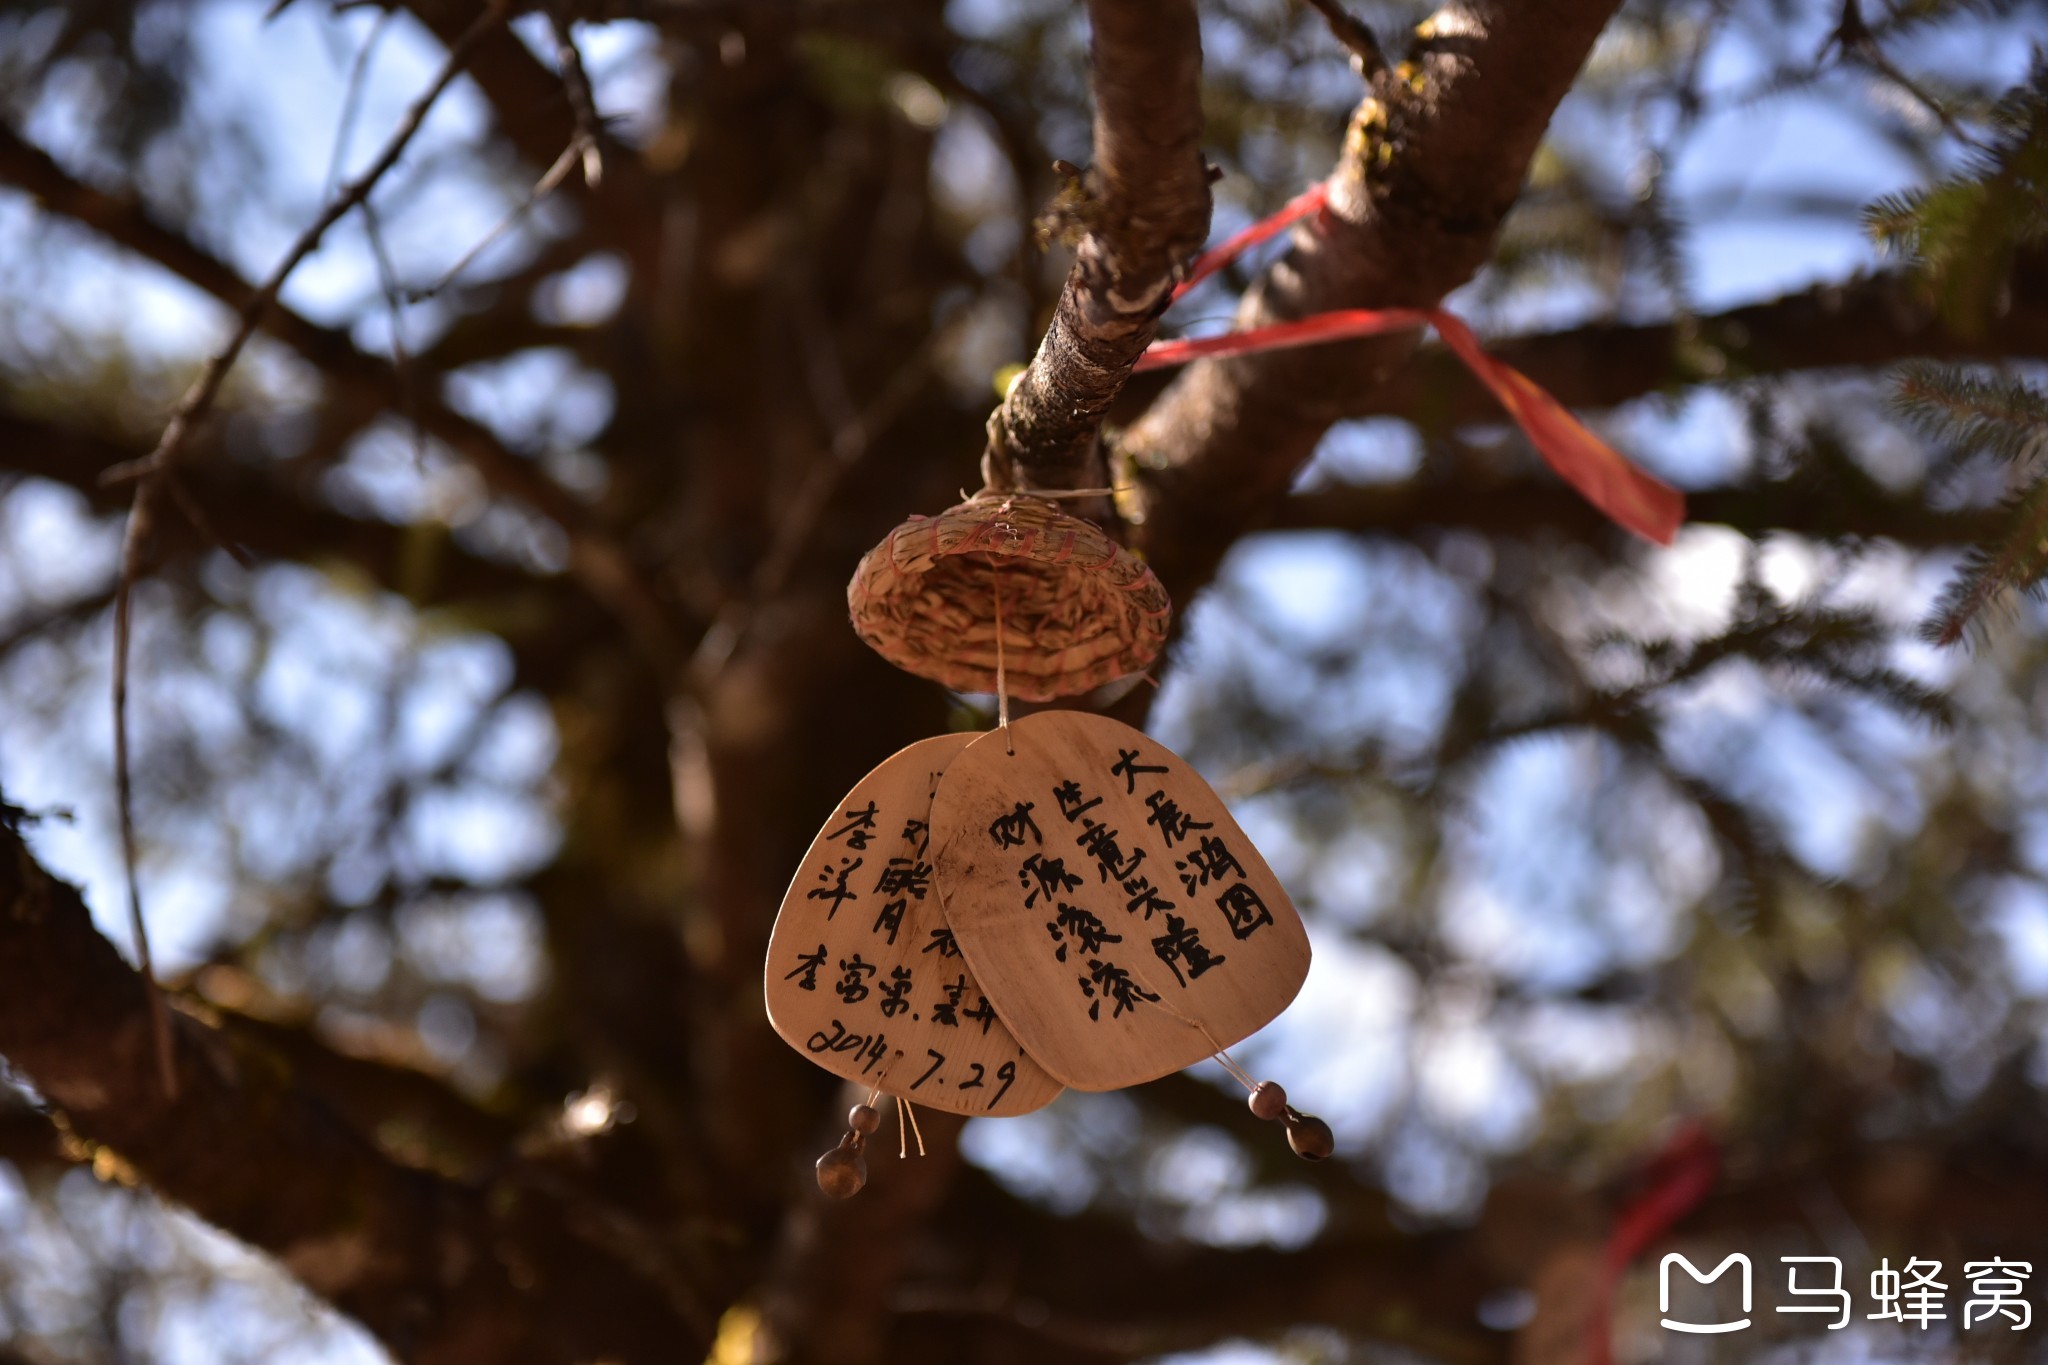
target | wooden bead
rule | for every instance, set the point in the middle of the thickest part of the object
(1268, 1100)
(841, 1172)
(863, 1119)
(1310, 1137)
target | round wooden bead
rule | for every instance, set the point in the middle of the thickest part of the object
(1268, 1100)
(841, 1172)
(1310, 1138)
(863, 1119)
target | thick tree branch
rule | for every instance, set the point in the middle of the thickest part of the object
(1430, 167)
(1538, 505)
(1864, 323)
(440, 1271)
(1146, 209)
(1091, 1286)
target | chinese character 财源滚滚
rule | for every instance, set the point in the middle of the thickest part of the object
(1082, 927)
(1008, 830)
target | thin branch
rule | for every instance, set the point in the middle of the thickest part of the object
(1865, 323)
(401, 355)
(549, 181)
(609, 576)
(352, 102)
(155, 486)
(853, 436)
(589, 127)
(1356, 35)
(1146, 209)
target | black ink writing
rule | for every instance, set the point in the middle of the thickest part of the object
(1174, 823)
(807, 965)
(893, 1002)
(858, 829)
(1127, 767)
(853, 986)
(1182, 944)
(1210, 861)
(1243, 908)
(1008, 830)
(838, 892)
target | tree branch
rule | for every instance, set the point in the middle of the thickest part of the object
(1429, 170)
(1146, 211)
(1863, 323)
(439, 1271)
(1090, 1286)
(1534, 505)
(596, 560)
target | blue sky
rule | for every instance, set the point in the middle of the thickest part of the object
(1363, 1041)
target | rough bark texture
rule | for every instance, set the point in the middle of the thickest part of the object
(441, 1271)
(1432, 162)
(1145, 208)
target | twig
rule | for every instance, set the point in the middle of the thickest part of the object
(577, 82)
(401, 355)
(542, 188)
(156, 485)
(853, 436)
(1355, 34)
(352, 102)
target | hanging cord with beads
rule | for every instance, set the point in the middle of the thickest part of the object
(1308, 1135)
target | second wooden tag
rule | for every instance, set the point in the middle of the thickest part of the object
(1120, 920)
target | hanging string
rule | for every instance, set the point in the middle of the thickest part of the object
(1237, 1073)
(1628, 495)
(902, 1130)
(995, 577)
(915, 1131)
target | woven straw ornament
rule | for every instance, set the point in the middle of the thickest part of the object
(1077, 610)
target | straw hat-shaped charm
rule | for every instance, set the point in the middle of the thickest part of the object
(1077, 610)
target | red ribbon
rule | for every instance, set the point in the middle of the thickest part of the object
(1674, 1183)
(1633, 498)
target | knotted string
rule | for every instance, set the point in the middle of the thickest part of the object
(995, 577)
(1631, 497)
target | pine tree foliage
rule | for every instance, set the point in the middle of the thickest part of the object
(1963, 234)
(1963, 231)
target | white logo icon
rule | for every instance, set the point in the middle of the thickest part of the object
(1664, 1291)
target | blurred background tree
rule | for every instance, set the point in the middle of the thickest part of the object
(490, 672)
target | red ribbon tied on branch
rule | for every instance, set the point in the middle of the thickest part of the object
(1633, 498)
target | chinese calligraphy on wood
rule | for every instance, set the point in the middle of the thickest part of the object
(1123, 923)
(864, 976)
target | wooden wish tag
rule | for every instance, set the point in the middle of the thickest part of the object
(1119, 918)
(864, 976)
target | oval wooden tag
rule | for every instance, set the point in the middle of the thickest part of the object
(1121, 921)
(863, 974)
